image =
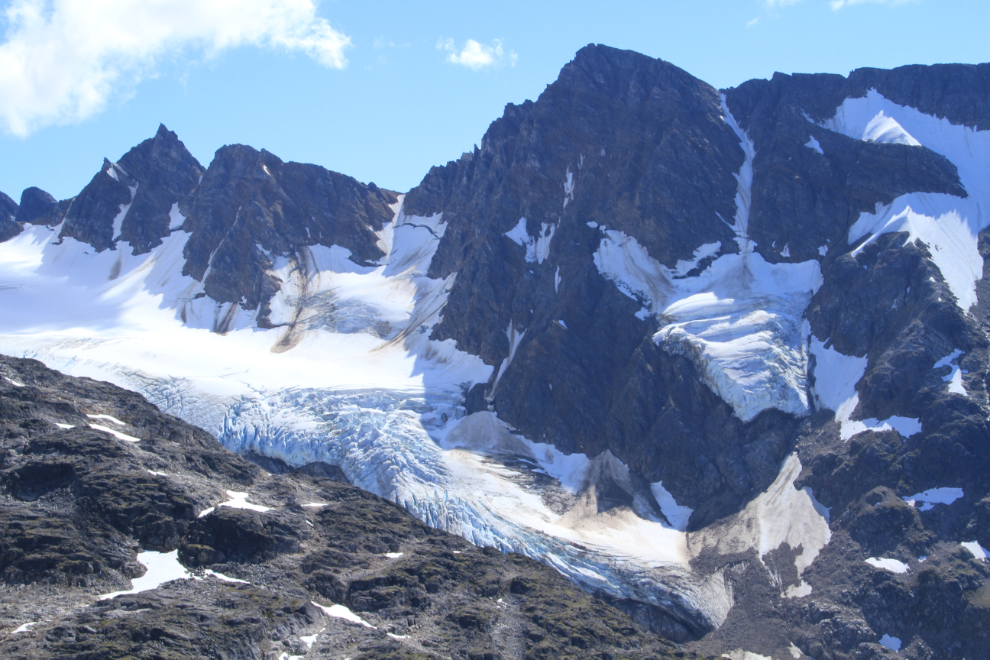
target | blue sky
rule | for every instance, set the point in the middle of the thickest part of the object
(382, 90)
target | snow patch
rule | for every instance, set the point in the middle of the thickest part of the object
(929, 498)
(799, 590)
(24, 627)
(954, 378)
(309, 640)
(892, 643)
(64, 426)
(238, 500)
(175, 218)
(117, 434)
(393, 555)
(812, 143)
(341, 612)
(888, 564)
(537, 247)
(556, 280)
(108, 418)
(836, 376)
(569, 188)
(161, 567)
(14, 382)
(223, 578)
(676, 514)
(976, 549)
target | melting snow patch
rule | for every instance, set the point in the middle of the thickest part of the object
(823, 250)
(341, 612)
(556, 280)
(394, 636)
(108, 418)
(64, 426)
(888, 564)
(892, 643)
(799, 590)
(156, 473)
(836, 376)
(224, 578)
(676, 514)
(162, 567)
(812, 143)
(954, 378)
(537, 247)
(978, 551)
(309, 640)
(24, 627)
(562, 324)
(314, 505)
(13, 382)
(117, 434)
(739, 654)
(238, 500)
(206, 512)
(933, 496)
(795, 652)
(393, 555)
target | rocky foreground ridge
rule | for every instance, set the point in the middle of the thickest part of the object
(719, 357)
(95, 480)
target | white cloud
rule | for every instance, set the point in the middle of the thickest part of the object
(474, 55)
(774, 4)
(62, 60)
(753, 22)
(839, 4)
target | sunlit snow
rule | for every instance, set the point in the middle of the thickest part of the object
(161, 567)
(948, 225)
(927, 500)
(835, 379)
(888, 564)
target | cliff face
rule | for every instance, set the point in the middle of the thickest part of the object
(719, 357)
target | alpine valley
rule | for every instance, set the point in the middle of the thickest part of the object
(657, 370)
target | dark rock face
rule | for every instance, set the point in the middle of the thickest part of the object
(252, 208)
(165, 172)
(132, 200)
(75, 503)
(36, 205)
(8, 211)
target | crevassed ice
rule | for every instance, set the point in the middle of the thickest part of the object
(948, 225)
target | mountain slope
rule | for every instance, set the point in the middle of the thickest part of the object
(719, 357)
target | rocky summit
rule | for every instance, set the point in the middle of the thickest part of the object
(718, 358)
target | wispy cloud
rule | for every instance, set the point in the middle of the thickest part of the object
(775, 4)
(62, 60)
(753, 22)
(839, 4)
(476, 56)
